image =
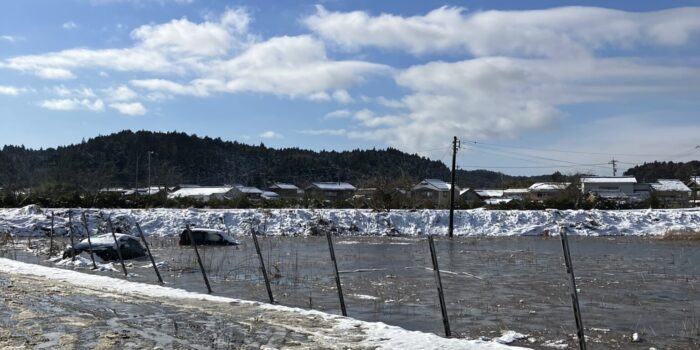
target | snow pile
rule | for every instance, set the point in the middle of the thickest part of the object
(33, 221)
(376, 335)
(83, 261)
(508, 337)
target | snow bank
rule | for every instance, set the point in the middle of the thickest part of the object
(35, 221)
(376, 334)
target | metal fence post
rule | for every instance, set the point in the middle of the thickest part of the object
(148, 250)
(574, 290)
(199, 259)
(262, 265)
(92, 255)
(72, 241)
(337, 276)
(438, 282)
(116, 243)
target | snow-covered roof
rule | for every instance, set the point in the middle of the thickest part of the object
(334, 186)
(283, 186)
(695, 180)
(489, 193)
(464, 190)
(270, 195)
(249, 189)
(515, 191)
(434, 184)
(602, 179)
(200, 191)
(670, 185)
(549, 186)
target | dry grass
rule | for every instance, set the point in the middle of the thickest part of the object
(685, 234)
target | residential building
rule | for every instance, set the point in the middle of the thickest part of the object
(271, 196)
(694, 185)
(492, 197)
(331, 191)
(469, 196)
(203, 193)
(252, 193)
(516, 193)
(286, 191)
(542, 191)
(619, 189)
(432, 190)
(671, 193)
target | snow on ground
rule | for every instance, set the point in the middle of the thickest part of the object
(35, 221)
(372, 334)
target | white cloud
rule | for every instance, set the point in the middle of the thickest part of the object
(271, 135)
(70, 104)
(70, 25)
(556, 32)
(198, 39)
(10, 38)
(121, 94)
(173, 47)
(10, 90)
(63, 91)
(499, 97)
(129, 108)
(337, 114)
(324, 132)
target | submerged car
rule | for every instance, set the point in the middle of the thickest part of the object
(103, 246)
(206, 236)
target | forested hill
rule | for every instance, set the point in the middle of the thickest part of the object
(113, 160)
(649, 172)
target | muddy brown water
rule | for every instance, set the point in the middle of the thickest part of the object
(627, 284)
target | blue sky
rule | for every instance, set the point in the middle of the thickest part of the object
(525, 80)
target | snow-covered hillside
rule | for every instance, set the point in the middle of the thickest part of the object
(35, 221)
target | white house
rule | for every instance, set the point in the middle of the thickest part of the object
(600, 185)
(203, 193)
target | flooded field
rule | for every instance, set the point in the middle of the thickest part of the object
(491, 285)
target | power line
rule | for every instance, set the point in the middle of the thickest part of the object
(577, 152)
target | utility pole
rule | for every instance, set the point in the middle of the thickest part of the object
(614, 164)
(149, 172)
(455, 144)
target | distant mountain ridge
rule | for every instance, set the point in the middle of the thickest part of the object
(116, 159)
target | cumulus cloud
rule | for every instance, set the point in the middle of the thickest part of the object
(270, 135)
(129, 108)
(556, 32)
(296, 67)
(70, 104)
(121, 93)
(172, 47)
(500, 97)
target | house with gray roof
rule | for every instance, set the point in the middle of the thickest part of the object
(331, 191)
(434, 191)
(671, 193)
